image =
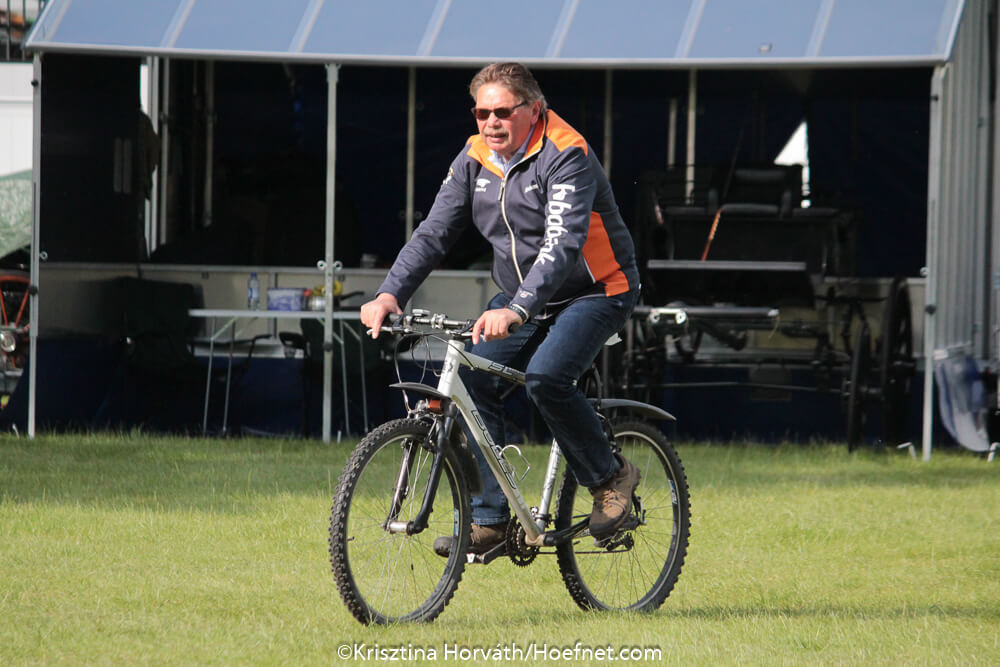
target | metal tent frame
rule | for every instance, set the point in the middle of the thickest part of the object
(947, 35)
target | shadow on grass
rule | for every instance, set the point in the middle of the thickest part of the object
(984, 612)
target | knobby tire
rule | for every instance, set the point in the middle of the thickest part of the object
(388, 577)
(638, 574)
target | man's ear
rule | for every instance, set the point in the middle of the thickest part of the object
(536, 111)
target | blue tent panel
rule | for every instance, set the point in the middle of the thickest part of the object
(514, 29)
(913, 27)
(108, 23)
(613, 28)
(595, 33)
(392, 28)
(229, 25)
(760, 29)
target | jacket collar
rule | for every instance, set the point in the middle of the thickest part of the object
(479, 151)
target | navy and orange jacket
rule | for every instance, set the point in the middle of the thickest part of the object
(553, 223)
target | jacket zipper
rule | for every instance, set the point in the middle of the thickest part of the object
(503, 208)
(510, 230)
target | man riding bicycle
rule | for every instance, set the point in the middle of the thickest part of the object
(565, 263)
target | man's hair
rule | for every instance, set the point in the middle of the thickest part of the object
(513, 76)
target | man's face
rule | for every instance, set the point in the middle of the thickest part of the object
(505, 136)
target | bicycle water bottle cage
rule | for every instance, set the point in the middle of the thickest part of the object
(527, 465)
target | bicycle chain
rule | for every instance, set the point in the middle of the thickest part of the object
(520, 553)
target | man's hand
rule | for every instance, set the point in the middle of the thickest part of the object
(374, 312)
(495, 324)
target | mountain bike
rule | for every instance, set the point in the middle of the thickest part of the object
(409, 481)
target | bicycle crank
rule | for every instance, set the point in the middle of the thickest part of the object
(520, 552)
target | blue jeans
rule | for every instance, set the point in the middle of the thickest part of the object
(553, 353)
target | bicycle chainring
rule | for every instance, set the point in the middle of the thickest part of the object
(519, 551)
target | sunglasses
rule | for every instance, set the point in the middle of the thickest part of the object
(503, 113)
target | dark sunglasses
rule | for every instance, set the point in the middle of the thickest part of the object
(503, 113)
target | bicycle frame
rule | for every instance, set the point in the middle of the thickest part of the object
(451, 385)
(453, 396)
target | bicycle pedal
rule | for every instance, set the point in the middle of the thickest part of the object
(631, 523)
(490, 556)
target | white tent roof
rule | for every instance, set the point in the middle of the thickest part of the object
(574, 33)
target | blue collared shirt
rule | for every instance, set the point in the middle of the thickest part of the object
(505, 165)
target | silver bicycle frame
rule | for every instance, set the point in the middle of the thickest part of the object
(451, 385)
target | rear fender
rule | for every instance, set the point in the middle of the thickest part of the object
(651, 411)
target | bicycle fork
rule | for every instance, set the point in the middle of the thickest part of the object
(419, 522)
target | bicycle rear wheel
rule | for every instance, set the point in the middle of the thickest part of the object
(386, 577)
(638, 568)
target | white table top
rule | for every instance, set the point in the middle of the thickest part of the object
(273, 314)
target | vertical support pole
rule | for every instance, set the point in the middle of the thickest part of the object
(36, 255)
(672, 134)
(608, 143)
(206, 214)
(10, 31)
(608, 119)
(332, 77)
(411, 152)
(152, 103)
(163, 126)
(933, 233)
(993, 209)
(692, 122)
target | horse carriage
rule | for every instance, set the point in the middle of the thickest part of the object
(739, 273)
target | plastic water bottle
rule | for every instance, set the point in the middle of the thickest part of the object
(253, 292)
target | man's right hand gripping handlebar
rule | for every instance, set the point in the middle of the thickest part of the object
(374, 312)
(496, 324)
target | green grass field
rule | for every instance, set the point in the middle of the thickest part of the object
(126, 548)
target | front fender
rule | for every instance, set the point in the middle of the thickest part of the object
(422, 389)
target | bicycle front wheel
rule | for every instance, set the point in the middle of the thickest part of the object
(384, 576)
(637, 568)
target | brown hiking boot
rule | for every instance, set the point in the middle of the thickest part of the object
(483, 539)
(613, 500)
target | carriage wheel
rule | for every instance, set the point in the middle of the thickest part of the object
(14, 295)
(14, 301)
(896, 364)
(857, 387)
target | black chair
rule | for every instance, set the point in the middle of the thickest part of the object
(164, 382)
(766, 190)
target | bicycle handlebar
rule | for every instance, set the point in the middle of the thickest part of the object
(406, 323)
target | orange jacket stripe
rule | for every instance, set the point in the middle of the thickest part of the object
(601, 259)
(563, 135)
